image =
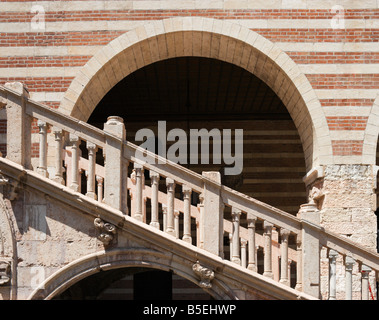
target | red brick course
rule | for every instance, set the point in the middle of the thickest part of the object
(347, 147)
(347, 123)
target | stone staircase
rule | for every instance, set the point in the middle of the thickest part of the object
(232, 245)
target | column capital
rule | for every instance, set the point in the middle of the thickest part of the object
(284, 233)
(251, 219)
(333, 254)
(365, 270)
(267, 226)
(186, 190)
(236, 213)
(170, 181)
(41, 125)
(349, 261)
(99, 179)
(91, 146)
(73, 138)
(154, 176)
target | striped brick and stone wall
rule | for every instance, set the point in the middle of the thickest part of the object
(47, 44)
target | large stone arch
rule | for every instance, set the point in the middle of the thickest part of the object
(121, 258)
(211, 38)
(370, 142)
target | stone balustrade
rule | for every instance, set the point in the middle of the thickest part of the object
(196, 209)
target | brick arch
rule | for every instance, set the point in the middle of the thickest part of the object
(211, 38)
(88, 265)
(370, 142)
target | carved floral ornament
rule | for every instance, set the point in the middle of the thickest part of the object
(107, 231)
(206, 275)
(5, 269)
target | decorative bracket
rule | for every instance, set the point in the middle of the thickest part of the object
(5, 270)
(107, 231)
(315, 196)
(206, 275)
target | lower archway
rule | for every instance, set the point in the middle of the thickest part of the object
(139, 259)
(134, 283)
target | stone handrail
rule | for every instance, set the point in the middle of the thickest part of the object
(284, 238)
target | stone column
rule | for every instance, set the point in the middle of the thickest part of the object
(200, 221)
(164, 212)
(299, 264)
(100, 183)
(236, 236)
(42, 167)
(267, 249)
(138, 172)
(58, 155)
(243, 253)
(284, 233)
(114, 170)
(170, 183)
(332, 274)
(187, 214)
(365, 282)
(349, 264)
(92, 148)
(75, 141)
(154, 177)
(176, 223)
(251, 220)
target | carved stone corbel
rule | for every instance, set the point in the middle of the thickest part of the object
(107, 231)
(5, 271)
(206, 275)
(315, 195)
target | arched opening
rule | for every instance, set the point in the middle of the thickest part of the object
(134, 283)
(195, 93)
(210, 38)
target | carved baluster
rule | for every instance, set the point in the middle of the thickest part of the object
(251, 220)
(365, 282)
(75, 183)
(176, 223)
(349, 263)
(138, 171)
(42, 167)
(154, 176)
(230, 245)
(187, 214)
(243, 252)
(332, 274)
(100, 183)
(236, 236)
(267, 249)
(201, 220)
(299, 266)
(92, 148)
(58, 155)
(170, 183)
(164, 211)
(284, 259)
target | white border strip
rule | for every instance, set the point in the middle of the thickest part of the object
(188, 4)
